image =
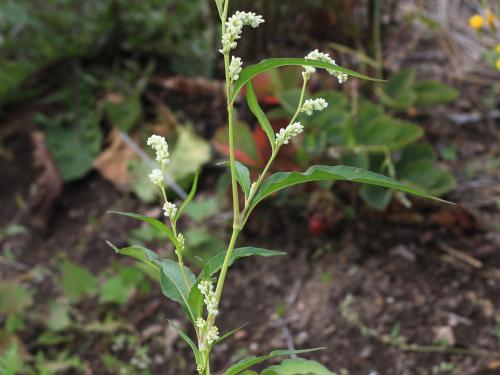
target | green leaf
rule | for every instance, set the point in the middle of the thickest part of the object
(220, 7)
(115, 290)
(14, 298)
(125, 112)
(230, 333)
(174, 286)
(297, 366)
(139, 181)
(190, 153)
(430, 93)
(151, 221)
(58, 318)
(77, 282)
(399, 93)
(141, 253)
(429, 177)
(192, 345)
(251, 361)
(265, 65)
(282, 180)
(387, 132)
(376, 196)
(254, 106)
(415, 152)
(190, 197)
(215, 264)
(243, 177)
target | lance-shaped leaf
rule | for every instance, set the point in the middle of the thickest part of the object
(141, 253)
(297, 366)
(268, 64)
(190, 197)
(251, 361)
(215, 264)
(155, 223)
(254, 106)
(282, 180)
(243, 177)
(187, 339)
(174, 286)
(220, 7)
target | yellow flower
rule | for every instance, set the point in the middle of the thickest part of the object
(497, 48)
(497, 63)
(476, 22)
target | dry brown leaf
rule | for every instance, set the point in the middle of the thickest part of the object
(113, 162)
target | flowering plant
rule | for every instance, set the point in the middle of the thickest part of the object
(200, 296)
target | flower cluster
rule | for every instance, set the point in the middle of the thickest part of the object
(234, 27)
(159, 144)
(311, 105)
(156, 177)
(170, 209)
(207, 290)
(181, 244)
(285, 134)
(235, 68)
(212, 335)
(320, 56)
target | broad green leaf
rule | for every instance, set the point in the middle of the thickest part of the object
(399, 91)
(282, 180)
(298, 366)
(115, 290)
(174, 286)
(187, 339)
(415, 152)
(124, 112)
(76, 281)
(430, 93)
(139, 181)
(265, 65)
(429, 177)
(251, 361)
(138, 252)
(376, 196)
(151, 221)
(14, 298)
(243, 177)
(215, 264)
(58, 317)
(254, 106)
(190, 153)
(190, 197)
(385, 131)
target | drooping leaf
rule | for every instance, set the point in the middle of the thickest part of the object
(190, 196)
(230, 333)
(430, 93)
(251, 361)
(297, 366)
(141, 253)
(187, 339)
(174, 286)
(254, 106)
(151, 221)
(282, 180)
(243, 177)
(265, 65)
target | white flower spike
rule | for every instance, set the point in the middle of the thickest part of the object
(156, 177)
(320, 56)
(235, 68)
(159, 144)
(311, 105)
(170, 209)
(284, 135)
(234, 27)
